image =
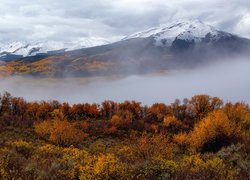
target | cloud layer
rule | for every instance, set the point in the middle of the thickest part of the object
(64, 20)
(228, 80)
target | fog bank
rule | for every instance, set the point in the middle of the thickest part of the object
(229, 80)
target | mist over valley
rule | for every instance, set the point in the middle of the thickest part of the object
(228, 80)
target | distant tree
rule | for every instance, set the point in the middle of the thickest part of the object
(201, 105)
(156, 112)
(108, 109)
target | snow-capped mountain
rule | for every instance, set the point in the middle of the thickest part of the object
(183, 44)
(25, 49)
(164, 36)
(187, 30)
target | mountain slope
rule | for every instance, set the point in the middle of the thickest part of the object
(17, 49)
(187, 30)
(184, 44)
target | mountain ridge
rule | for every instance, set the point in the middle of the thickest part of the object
(184, 29)
(20, 49)
(136, 55)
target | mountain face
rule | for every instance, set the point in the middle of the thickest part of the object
(177, 45)
(15, 50)
(190, 34)
(192, 31)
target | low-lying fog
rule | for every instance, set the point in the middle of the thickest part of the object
(229, 80)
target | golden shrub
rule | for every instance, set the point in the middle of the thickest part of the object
(104, 166)
(197, 167)
(48, 150)
(44, 128)
(72, 160)
(238, 113)
(22, 147)
(168, 120)
(213, 132)
(181, 139)
(57, 114)
(116, 120)
(121, 121)
(60, 132)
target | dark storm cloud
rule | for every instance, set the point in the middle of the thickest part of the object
(69, 20)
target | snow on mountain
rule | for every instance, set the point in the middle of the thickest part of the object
(188, 30)
(164, 35)
(29, 49)
(88, 42)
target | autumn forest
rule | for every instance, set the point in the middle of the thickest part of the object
(197, 138)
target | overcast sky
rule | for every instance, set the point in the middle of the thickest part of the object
(66, 20)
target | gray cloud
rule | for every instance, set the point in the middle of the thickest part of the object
(69, 20)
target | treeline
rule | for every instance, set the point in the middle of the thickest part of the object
(17, 111)
(197, 138)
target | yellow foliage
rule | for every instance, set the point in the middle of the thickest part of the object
(22, 147)
(215, 127)
(122, 121)
(158, 168)
(168, 119)
(212, 167)
(115, 120)
(181, 139)
(197, 163)
(105, 166)
(57, 114)
(173, 125)
(44, 128)
(48, 150)
(11, 164)
(126, 153)
(97, 148)
(72, 160)
(239, 114)
(144, 147)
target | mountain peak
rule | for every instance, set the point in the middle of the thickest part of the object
(184, 29)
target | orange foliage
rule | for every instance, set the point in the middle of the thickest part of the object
(121, 122)
(156, 112)
(60, 132)
(213, 132)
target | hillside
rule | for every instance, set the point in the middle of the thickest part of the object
(178, 45)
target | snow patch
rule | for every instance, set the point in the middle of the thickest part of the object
(188, 30)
